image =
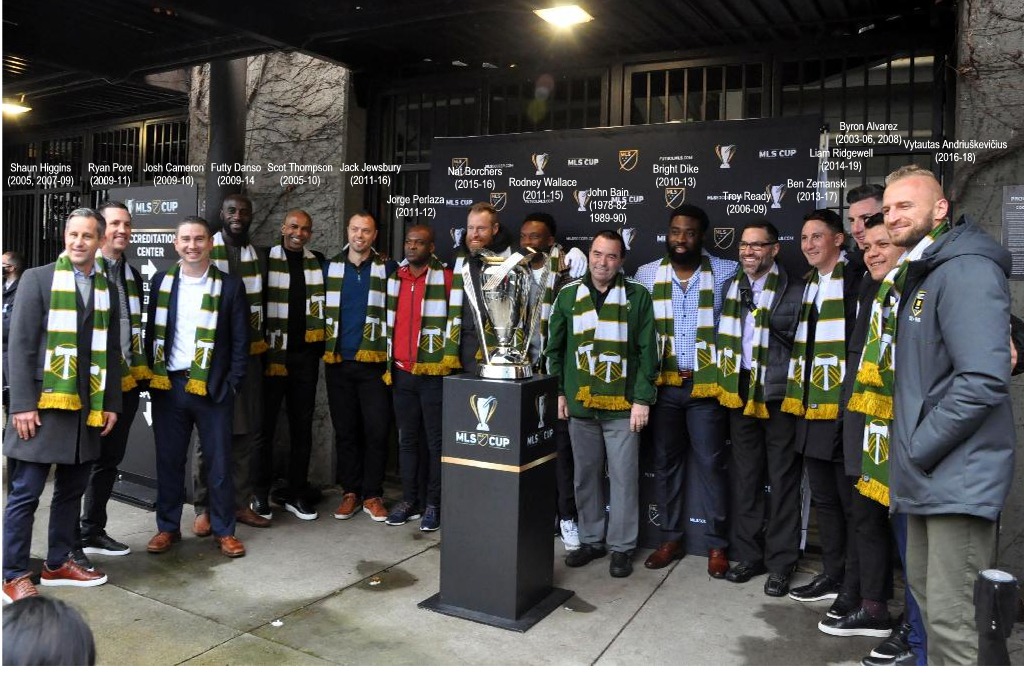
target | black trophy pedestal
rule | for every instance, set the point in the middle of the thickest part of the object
(498, 508)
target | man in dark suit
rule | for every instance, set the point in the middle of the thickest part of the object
(65, 395)
(128, 284)
(197, 342)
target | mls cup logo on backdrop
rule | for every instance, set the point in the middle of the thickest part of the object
(777, 192)
(498, 200)
(456, 234)
(628, 159)
(725, 153)
(582, 198)
(628, 235)
(540, 160)
(674, 197)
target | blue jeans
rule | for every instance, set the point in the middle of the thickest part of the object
(918, 639)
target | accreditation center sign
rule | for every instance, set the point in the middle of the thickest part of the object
(629, 179)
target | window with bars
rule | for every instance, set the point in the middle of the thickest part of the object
(702, 92)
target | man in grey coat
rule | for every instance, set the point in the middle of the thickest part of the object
(952, 442)
(40, 437)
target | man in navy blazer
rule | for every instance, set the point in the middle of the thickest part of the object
(179, 406)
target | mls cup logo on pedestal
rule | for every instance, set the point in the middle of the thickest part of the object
(725, 154)
(540, 160)
(777, 193)
(542, 404)
(582, 198)
(628, 235)
(483, 408)
(457, 234)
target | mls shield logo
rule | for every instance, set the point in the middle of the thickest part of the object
(628, 159)
(459, 163)
(724, 237)
(674, 197)
(918, 304)
(653, 515)
(499, 200)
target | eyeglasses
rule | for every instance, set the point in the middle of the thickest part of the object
(757, 246)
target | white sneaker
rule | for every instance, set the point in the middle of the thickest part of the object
(570, 534)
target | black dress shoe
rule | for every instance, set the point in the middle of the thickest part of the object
(622, 564)
(844, 605)
(857, 623)
(104, 545)
(261, 506)
(744, 571)
(821, 588)
(300, 509)
(897, 643)
(585, 554)
(777, 584)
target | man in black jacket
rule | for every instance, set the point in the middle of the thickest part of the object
(762, 440)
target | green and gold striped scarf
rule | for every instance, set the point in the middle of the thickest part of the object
(206, 331)
(705, 353)
(730, 346)
(278, 285)
(873, 386)
(60, 370)
(433, 321)
(555, 266)
(820, 399)
(253, 281)
(453, 328)
(134, 368)
(602, 352)
(373, 347)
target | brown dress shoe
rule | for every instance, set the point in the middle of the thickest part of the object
(246, 516)
(201, 527)
(231, 547)
(162, 541)
(665, 554)
(718, 563)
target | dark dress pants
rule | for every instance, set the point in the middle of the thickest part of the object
(832, 495)
(689, 440)
(417, 401)
(359, 402)
(918, 639)
(298, 391)
(763, 452)
(564, 473)
(27, 483)
(104, 470)
(874, 540)
(175, 413)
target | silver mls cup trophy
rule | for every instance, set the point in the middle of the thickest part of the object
(500, 294)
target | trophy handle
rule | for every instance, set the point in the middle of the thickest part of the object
(467, 279)
(531, 327)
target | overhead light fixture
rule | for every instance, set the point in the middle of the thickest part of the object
(14, 108)
(564, 16)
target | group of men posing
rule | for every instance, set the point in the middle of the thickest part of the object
(800, 373)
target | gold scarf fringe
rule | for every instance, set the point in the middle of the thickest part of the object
(141, 372)
(332, 357)
(95, 419)
(314, 336)
(196, 386)
(367, 356)
(604, 403)
(872, 404)
(160, 383)
(823, 412)
(276, 369)
(705, 390)
(57, 400)
(794, 406)
(730, 400)
(869, 374)
(451, 363)
(128, 383)
(755, 409)
(429, 369)
(257, 347)
(670, 378)
(873, 489)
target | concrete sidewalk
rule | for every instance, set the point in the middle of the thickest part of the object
(345, 592)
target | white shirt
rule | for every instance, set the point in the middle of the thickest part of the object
(190, 303)
(756, 288)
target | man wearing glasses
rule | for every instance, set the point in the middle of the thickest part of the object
(760, 309)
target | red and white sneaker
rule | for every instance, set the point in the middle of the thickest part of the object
(19, 588)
